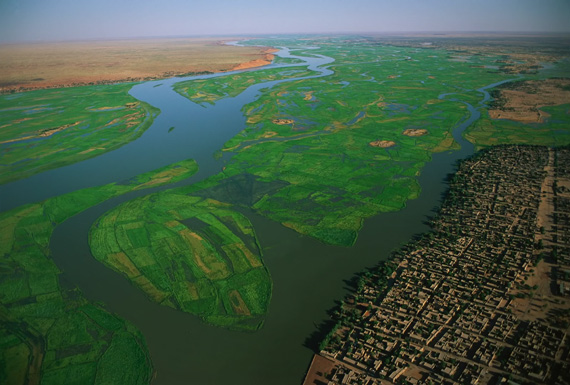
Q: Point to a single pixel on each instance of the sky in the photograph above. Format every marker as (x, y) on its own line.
(48, 20)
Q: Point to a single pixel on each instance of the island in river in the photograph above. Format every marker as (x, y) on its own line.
(289, 198)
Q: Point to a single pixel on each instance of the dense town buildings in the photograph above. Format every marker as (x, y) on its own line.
(482, 299)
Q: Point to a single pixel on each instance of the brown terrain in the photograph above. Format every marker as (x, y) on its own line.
(382, 143)
(522, 101)
(282, 122)
(415, 132)
(539, 301)
(320, 366)
(267, 59)
(65, 64)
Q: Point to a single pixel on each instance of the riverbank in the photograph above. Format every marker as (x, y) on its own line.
(267, 59)
(44, 319)
(448, 309)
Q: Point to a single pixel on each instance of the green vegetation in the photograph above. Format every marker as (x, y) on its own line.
(214, 89)
(55, 127)
(52, 332)
(190, 253)
(318, 155)
(314, 141)
(554, 131)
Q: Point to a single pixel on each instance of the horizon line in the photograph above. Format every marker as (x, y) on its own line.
(434, 33)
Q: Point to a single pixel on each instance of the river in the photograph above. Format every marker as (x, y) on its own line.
(308, 276)
(199, 131)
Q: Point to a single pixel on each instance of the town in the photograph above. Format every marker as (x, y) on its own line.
(483, 298)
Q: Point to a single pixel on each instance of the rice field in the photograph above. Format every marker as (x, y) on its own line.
(193, 254)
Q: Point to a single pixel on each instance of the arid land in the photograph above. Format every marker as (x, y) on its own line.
(65, 64)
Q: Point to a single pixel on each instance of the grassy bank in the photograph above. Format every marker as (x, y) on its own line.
(50, 331)
(47, 129)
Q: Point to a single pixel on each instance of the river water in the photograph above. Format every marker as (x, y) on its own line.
(199, 131)
(308, 276)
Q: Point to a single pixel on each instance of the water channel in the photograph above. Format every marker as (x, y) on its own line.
(308, 276)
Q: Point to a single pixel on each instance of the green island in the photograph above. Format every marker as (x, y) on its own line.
(214, 89)
(51, 128)
(190, 253)
(52, 332)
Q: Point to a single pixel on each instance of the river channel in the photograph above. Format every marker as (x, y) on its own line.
(308, 276)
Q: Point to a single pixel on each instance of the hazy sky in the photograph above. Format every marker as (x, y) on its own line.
(25, 20)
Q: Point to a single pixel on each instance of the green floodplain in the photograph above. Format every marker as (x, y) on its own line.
(51, 331)
(314, 136)
(317, 155)
(45, 129)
